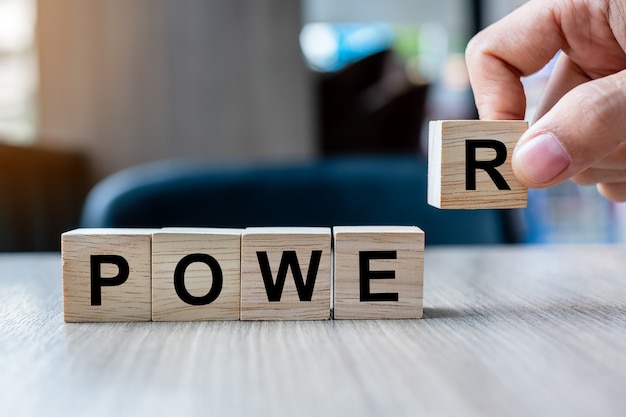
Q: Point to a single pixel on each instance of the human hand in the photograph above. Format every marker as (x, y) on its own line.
(580, 127)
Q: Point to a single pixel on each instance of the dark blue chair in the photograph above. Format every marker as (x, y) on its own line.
(337, 191)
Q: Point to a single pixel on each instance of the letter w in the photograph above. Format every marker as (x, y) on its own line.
(289, 259)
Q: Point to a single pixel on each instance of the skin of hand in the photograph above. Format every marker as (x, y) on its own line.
(579, 131)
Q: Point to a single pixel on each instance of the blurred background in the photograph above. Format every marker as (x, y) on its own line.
(89, 88)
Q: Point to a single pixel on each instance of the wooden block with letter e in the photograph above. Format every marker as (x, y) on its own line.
(196, 274)
(285, 273)
(106, 275)
(379, 272)
(469, 164)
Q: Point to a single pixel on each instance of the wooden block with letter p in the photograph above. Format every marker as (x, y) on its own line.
(196, 274)
(469, 164)
(379, 272)
(285, 273)
(106, 275)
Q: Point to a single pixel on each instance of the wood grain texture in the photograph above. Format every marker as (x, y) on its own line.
(402, 264)
(507, 331)
(447, 165)
(129, 301)
(170, 247)
(275, 242)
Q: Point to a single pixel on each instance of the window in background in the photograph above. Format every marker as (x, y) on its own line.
(18, 71)
(429, 38)
(424, 45)
(330, 47)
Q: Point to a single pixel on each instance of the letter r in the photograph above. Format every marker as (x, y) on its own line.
(471, 164)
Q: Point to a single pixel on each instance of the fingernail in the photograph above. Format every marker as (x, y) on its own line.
(542, 158)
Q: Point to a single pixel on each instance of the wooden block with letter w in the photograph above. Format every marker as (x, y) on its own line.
(469, 164)
(285, 273)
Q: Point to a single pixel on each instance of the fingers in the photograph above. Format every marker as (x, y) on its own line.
(565, 76)
(593, 176)
(613, 161)
(609, 174)
(613, 191)
(584, 127)
(580, 124)
(518, 45)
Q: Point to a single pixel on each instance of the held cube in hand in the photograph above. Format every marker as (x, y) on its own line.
(469, 164)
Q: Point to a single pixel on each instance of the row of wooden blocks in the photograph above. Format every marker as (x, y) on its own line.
(180, 274)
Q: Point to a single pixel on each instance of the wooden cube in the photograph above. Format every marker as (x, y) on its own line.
(196, 274)
(378, 272)
(106, 275)
(469, 164)
(285, 273)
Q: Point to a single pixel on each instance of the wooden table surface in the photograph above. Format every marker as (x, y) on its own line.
(508, 331)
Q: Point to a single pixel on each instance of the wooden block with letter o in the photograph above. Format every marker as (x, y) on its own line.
(285, 273)
(106, 275)
(379, 272)
(469, 164)
(196, 274)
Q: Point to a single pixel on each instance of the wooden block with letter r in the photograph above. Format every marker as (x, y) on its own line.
(285, 273)
(106, 275)
(378, 272)
(469, 164)
(196, 274)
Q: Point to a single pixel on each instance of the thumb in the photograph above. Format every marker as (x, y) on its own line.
(584, 126)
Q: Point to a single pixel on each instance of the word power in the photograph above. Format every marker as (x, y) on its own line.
(469, 164)
(191, 274)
